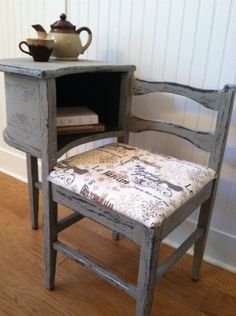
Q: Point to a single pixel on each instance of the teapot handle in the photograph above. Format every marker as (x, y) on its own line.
(84, 28)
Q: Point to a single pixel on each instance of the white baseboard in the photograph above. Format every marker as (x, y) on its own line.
(220, 248)
(13, 164)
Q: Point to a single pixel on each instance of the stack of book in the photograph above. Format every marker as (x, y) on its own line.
(78, 119)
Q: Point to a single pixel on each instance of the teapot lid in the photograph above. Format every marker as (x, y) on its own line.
(63, 25)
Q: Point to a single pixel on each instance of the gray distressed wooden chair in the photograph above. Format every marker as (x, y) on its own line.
(141, 195)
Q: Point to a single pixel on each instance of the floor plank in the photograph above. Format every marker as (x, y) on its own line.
(79, 292)
(218, 303)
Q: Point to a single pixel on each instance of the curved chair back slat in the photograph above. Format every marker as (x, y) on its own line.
(220, 101)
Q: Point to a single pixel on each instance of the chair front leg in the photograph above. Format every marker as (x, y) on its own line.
(50, 236)
(149, 254)
(32, 175)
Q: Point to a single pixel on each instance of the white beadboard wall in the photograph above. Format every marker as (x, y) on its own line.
(188, 41)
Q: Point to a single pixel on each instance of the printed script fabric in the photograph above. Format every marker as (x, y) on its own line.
(144, 186)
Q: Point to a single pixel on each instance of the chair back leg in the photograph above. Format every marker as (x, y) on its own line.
(115, 235)
(199, 246)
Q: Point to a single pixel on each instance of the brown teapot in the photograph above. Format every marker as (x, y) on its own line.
(67, 43)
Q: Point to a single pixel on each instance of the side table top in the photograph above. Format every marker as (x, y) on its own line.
(57, 68)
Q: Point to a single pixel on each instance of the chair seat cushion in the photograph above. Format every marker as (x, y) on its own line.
(141, 185)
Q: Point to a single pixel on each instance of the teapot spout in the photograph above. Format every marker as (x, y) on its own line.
(40, 30)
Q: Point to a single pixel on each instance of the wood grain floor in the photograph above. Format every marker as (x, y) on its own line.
(79, 292)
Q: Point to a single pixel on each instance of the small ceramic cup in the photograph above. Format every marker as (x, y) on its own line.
(39, 49)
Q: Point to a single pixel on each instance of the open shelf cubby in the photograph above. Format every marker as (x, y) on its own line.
(99, 91)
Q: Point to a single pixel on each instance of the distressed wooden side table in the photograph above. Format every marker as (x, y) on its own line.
(34, 90)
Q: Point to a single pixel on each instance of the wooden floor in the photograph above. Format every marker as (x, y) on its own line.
(79, 292)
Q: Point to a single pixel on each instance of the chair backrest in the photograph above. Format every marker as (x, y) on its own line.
(220, 101)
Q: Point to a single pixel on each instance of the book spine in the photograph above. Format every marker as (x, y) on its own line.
(81, 129)
(77, 120)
